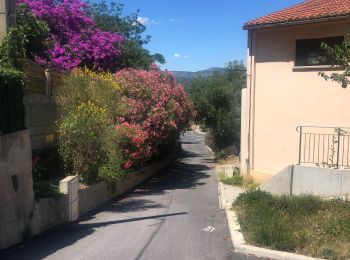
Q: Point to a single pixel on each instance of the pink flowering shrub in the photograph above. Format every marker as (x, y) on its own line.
(113, 124)
(156, 110)
(74, 39)
(135, 148)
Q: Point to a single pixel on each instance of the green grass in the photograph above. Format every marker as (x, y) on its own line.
(238, 180)
(235, 180)
(301, 224)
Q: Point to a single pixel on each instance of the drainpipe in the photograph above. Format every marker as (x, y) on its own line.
(250, 101)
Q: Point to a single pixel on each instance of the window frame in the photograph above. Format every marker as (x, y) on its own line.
(303, 65)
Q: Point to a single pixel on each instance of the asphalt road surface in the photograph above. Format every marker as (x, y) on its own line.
(174, 215)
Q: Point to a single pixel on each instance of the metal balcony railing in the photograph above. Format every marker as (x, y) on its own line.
(324, 146)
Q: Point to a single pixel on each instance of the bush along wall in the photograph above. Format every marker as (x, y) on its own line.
(11, 101)
(113, 124)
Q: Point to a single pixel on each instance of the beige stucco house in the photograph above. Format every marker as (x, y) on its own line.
(284, 90)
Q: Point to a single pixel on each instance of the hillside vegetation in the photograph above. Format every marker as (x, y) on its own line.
(217, 100)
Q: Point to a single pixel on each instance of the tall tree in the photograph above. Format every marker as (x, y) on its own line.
(217, 100)
(109, 17)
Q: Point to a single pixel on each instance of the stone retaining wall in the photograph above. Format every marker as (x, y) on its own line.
(96, 195)
(41, 115)
(48, 213)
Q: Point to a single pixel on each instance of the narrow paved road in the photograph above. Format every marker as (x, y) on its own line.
(175, 215)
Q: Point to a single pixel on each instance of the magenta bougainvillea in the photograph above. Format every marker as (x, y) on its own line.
(157, 107)
(74, 39)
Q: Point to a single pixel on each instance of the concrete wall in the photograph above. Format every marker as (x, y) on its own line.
(299, 180)
(7, 15)
(282, 96)
(48, 213)
(93, 196)
(20, 216)
(40, 106)
(96, 195)
(41, 115)
(16, 187)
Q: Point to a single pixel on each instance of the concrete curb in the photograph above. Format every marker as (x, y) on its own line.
(241, 247)
(239, 244)
(208, 148)
(198, 131)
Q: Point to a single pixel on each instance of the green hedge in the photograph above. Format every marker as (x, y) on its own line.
(11, 101)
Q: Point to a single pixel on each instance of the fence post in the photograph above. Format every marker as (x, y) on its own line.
(300, 142)
(69, 186)
(338, 147)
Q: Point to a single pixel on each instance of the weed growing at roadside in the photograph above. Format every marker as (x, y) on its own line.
(221, 155)
(237, 179)
(302, 224)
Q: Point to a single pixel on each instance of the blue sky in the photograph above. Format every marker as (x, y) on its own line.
(199, 34)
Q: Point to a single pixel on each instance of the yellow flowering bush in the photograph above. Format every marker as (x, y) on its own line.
(98, 76)
(88, 143)
(107, 130)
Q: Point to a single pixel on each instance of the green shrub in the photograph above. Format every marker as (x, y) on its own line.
(217, 100)
(235, 180)
(47, 164)
(25, 40)
(12, 51)
(47, 171)
(88, 142)
(11, 101)
(301, 224)
(252, 198)
(87, 139)
(44, 189)
(221, 155)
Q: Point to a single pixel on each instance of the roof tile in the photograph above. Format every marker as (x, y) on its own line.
(308, 10)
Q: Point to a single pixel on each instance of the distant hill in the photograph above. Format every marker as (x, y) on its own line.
(190, 74)
(184, 77)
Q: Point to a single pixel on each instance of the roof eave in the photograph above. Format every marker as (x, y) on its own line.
(301, 22)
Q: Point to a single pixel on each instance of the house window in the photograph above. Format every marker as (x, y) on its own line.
(308, 51)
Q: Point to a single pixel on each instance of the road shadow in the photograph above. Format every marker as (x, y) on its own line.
(130, 204)
(48, 243)
(192, 142)
(188, 154)
(181, 174)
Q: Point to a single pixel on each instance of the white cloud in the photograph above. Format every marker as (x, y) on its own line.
(146, 21)
(180, 56)
(175, 20)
